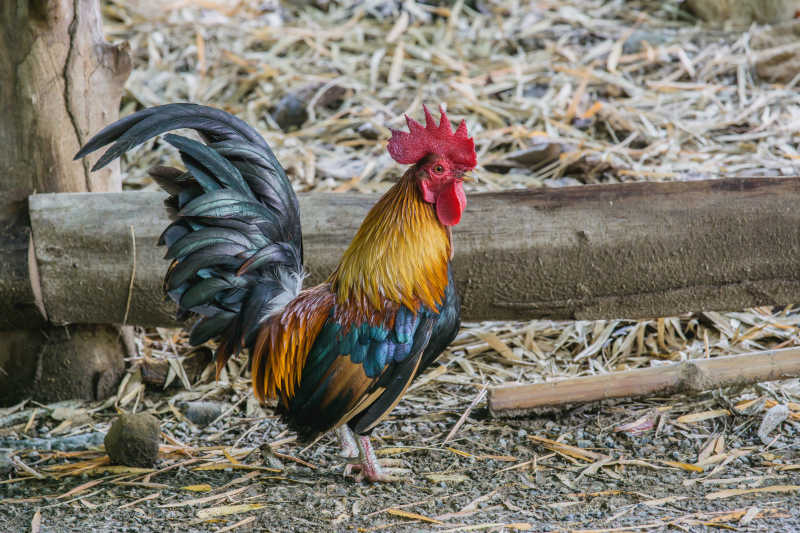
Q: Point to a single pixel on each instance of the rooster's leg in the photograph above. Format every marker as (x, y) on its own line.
(347, 441)
(369, 467)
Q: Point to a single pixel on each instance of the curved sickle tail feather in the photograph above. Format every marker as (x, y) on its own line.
(235, 240)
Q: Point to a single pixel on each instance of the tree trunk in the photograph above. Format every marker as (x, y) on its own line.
(61, 82)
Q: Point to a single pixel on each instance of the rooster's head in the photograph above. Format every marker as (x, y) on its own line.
(440, 157)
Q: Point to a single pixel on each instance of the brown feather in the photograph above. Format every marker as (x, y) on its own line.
(284, 341)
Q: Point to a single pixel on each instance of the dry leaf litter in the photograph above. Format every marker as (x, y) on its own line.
(556, 93)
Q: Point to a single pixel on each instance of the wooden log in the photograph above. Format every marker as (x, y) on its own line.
(631, 250)
(691, 377)
(20, 304)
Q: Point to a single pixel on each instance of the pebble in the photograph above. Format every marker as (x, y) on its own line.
(368, 131)
(5, 460)
(202, 413)
(633, 44)
(290, 112)
(536, 90)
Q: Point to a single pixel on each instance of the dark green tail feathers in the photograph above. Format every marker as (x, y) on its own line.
(235, 239)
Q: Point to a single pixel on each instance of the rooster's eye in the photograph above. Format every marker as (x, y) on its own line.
(438, 169)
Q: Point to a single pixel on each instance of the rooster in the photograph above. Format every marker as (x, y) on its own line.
(337, 356)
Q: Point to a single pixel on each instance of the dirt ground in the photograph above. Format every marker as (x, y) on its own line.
(493, 475)
(622, 91)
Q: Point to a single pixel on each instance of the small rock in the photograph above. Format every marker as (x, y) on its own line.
(562, 182)
(290, 112)
(333, 97)
(5, 460)
(633, 44)
(202, 413)
(537, 154)
(368, 131)
(582, 123)
(773, 418)
(535, 90)
(133, 440)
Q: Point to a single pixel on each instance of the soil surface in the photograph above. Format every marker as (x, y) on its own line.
(625, 91)
(493, 475)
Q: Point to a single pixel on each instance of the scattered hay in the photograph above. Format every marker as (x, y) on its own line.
(562, 92)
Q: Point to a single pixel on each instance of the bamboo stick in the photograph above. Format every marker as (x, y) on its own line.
(694, 376)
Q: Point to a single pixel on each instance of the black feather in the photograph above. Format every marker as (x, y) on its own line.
(214, 125)
(168, 178)
(233, 204)
(213, 163)
(196, 240)
(209, 327)
(188, 267)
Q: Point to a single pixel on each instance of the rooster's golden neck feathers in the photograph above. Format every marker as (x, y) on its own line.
(400, 253)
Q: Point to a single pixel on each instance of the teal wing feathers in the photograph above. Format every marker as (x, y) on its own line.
(350, 371)
(356, 375)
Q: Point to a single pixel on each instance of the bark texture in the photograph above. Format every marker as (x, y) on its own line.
(61, 363)
(633, 250)
(18, 285)
(61, 82)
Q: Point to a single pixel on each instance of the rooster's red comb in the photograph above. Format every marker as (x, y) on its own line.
(409, 148)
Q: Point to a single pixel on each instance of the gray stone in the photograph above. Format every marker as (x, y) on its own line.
(290, 112)
(202, 413)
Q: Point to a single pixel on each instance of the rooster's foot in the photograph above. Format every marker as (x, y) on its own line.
(347, 442)
(372, 469)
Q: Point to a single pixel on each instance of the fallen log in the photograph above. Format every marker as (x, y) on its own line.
(694, 376)
(628, 250)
